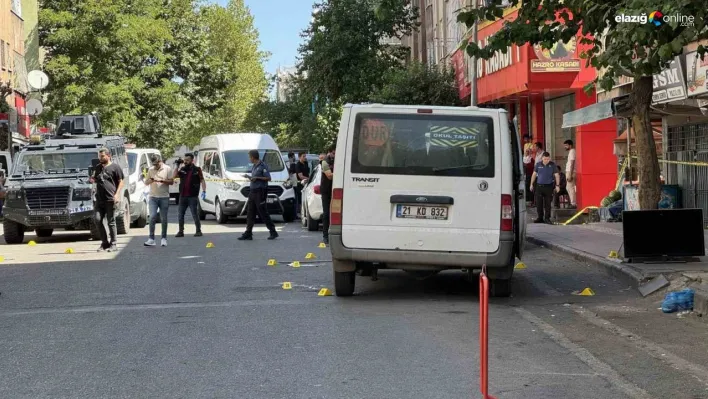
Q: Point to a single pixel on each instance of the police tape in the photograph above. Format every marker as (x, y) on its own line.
(212, 180)
(687, 163)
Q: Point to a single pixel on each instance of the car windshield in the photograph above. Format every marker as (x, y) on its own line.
(237, 161)
(48, 161)
(424, 144)
(132, 162)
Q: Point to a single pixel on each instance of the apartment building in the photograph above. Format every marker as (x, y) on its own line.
(283, 82)
(13, 70)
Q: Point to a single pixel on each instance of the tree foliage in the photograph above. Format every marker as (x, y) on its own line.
(418, 84)
(345, 53)
(160, 72)
(639, 50)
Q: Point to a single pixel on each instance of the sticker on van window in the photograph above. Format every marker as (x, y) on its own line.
(444, 136)
(375, 133)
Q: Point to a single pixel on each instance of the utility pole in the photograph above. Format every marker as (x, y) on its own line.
(473, 78)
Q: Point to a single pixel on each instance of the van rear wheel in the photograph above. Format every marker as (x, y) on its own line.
(344, 283)
(500, 288)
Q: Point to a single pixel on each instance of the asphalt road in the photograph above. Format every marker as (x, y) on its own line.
(188, 321)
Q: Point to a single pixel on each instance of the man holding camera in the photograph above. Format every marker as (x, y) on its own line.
(190, 179)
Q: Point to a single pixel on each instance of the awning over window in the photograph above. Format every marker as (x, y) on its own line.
(592, 113)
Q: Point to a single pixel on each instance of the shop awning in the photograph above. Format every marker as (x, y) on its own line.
(613, 108)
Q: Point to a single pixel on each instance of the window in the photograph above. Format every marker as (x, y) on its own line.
(132, 162)
(237, 161)
(3, 165)
(215, 163)
(424, 145)
(207, 161)
(144, 164)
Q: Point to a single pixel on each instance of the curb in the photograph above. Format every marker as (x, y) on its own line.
(615, 269)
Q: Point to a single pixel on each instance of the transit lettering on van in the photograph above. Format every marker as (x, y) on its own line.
(365, 179)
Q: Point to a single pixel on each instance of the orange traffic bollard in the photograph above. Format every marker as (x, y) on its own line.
(484, 333)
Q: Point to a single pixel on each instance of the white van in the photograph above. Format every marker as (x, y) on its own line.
(424, 189)
(224, 160)
(138, 164)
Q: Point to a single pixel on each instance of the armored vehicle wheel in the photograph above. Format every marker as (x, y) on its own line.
(14, 232)
(123, 221)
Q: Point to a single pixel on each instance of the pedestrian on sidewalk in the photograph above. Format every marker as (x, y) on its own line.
(302, 172)
(191, 179)
(570, 172)
(159, 179)
(538, 156)
(108, 178)
(326, 191)
(256, 204)
(544, 181)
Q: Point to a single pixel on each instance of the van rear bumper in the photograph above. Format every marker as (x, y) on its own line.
(502, 258)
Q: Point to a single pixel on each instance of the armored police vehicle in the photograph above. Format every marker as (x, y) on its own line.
(49, 188)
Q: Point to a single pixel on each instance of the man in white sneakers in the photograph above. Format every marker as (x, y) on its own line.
(159, 179)
(570, 173)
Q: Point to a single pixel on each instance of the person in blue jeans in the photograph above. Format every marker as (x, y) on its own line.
(159, 179)
(190, 179)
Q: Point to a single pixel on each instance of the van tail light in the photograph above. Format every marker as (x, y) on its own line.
(335, 207)
(317, 189)
(507, 213)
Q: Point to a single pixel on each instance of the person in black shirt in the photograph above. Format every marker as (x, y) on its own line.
(302, 173)
(108, 178)
(190, 179)
(326, 190)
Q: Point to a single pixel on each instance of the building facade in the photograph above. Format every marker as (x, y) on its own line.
(283, 83)
(13, 68)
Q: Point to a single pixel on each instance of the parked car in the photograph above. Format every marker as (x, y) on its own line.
(424, 189)
(311, 209)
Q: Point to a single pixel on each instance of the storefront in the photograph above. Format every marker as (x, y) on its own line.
(537, 87)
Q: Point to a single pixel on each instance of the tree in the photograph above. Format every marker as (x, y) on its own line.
(345, 54)
(160, 72)
(639, 50)
(418, 84)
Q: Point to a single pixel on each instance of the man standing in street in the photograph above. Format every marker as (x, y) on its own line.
(546, 175)
(260, 176)
(570, 173)
(326, 190)
(159, 179)
(302, 172)
(108, 178)
(191, 179)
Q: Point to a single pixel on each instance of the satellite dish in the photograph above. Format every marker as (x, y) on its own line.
(34, 107)
(37, 80)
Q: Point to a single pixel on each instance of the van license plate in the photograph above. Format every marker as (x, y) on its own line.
(421, 212)
(270, 200)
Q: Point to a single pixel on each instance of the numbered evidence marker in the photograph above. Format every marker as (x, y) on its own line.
(287, 285)
(295, 264)
(210, 245)
(272, 262)
(310, 256)
(323, 245)
(325, 292)
(69, 251)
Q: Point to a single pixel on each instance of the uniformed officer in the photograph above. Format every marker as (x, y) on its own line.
(546, 174)
(260, 176)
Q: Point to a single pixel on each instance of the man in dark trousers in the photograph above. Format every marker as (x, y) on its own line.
(190, 180)
(260, 176)
(326, 190)
(108, 178)
(546, 175)
(302, 172)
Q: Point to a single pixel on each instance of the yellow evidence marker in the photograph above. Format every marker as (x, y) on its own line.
(520, 266)
(69, 251)
(585, 292)
(272, 262)
(287, 285)
(324, 292)
(323, 245)
(31, 243)
(310, 256)
(210, 245)
(296, 264)
(613, 255)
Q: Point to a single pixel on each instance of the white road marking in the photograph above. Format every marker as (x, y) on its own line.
(598, 366)
(698, 372)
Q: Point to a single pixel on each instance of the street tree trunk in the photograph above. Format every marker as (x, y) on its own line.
(647, 162)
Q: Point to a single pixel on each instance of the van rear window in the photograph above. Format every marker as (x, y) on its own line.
(423, 144)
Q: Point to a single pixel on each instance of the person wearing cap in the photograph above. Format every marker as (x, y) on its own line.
(546, 175)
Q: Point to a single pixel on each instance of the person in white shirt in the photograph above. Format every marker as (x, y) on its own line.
(159, 179)
(570, 169)
(539, 153)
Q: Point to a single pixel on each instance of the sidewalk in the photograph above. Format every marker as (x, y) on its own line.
(593, 242)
